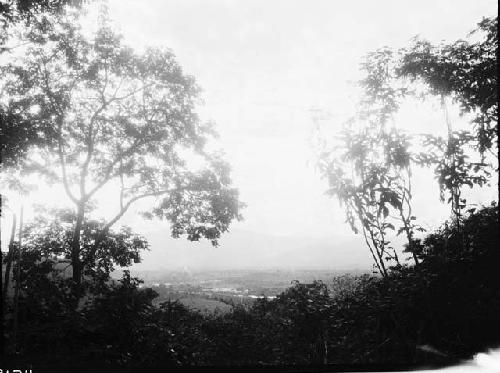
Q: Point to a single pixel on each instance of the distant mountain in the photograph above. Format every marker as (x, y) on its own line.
(242, 249)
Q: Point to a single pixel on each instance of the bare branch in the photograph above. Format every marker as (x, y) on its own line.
(133, 92)
(130, 202)
(122, 188)
(60, 148)
(117, 217)
(63, 168)
(109, 172)
(90, 150)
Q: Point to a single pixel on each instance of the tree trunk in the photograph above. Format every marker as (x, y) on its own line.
(75, 250)
(381, 259)
(325, 345)
(18, 284)
(411, 242)
(10, 257)
(415, 259)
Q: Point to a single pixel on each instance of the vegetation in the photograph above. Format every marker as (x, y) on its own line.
(34, 18)
(370, 170)
(441, 311)
(106, 115)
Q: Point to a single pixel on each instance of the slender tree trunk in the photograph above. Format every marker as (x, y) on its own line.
(455, 191)
(18, 283)
(415, 258)
(382, 235)
(75, 250)
(409, 236)
(382, 264)
(325, 345)
(411, 244)
(10, 257)
(372, 252)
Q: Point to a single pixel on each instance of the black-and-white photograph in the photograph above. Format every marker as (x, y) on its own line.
(291, 185)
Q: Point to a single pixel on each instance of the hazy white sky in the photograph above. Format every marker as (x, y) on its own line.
(265, 66)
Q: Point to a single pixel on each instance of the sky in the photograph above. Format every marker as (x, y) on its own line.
(268, 69)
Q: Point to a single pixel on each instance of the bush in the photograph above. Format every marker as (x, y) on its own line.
(441, 311)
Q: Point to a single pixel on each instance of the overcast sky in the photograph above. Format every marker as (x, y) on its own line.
(266, 68)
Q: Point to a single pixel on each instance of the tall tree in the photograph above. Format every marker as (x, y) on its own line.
(466, 72)
(370, 170)
(108, 116)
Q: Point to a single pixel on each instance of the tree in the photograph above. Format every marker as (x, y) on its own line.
(466, 71)
(49, 240)
(370, 169)
(107, 115)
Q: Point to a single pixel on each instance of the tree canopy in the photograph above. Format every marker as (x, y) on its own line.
(466, 71)
(32, 19)
(14, 12)
(107, 115)
(370, 169)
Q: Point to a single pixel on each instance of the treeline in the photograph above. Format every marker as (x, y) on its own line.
(441, 311)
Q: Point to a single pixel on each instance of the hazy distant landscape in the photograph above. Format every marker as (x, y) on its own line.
(212, 290)
(244, 249)
(251, 278)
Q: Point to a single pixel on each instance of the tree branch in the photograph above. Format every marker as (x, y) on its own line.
(108, 175)
(63, 167)
(133, 92)
(60, 149)
(122, 188)
(123, 210)
(130, 202)
(366, 239)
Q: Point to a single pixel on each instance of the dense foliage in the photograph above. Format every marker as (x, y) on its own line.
(96, 114)
(441, 311)
(35, 18)
(371, 165)
(466, 71)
